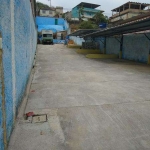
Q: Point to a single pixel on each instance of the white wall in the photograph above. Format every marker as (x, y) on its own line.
(47, 13)
(77, 40)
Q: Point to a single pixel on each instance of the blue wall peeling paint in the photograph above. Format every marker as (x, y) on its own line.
(112, 45)
(136, 47)
(25, 39)
(5, 28)
(100, 40)
(1, 120)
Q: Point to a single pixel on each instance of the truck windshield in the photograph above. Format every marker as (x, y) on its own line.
(47, 35)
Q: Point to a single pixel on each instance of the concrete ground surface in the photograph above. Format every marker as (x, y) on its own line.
(90, 104)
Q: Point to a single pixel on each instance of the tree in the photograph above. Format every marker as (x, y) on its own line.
(87, 25)
(100, 18)
(63, 16)
(41, 5)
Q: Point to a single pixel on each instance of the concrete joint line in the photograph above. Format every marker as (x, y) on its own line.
(13, 58)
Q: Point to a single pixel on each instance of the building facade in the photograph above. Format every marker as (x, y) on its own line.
(59, 10)
(47, 12)
(67, 15)
(85, 11)
(128, 10)
(51, 12)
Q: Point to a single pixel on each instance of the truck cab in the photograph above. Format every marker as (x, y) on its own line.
(47, 36)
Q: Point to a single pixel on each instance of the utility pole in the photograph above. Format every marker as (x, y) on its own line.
(50, 2)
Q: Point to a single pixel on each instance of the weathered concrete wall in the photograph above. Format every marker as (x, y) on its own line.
(136, 47)
(19, 37)
(112, 45)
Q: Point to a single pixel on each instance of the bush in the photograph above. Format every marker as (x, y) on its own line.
(87, 25)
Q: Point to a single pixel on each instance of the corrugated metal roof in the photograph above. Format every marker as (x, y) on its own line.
(82, 32)
(130, 27)
(88, 5)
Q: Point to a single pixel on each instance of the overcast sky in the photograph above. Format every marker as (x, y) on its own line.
(106, 5)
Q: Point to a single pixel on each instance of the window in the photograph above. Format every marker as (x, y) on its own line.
(47, 35)
(43, 11)
(50, 12)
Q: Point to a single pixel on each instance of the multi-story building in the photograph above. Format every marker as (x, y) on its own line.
(85, 11)
(67, 15)
(128, 10)
(47, 12)
(51, 12)
(59, 9)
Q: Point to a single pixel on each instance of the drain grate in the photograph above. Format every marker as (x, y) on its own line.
(32, 118)
(39, 119)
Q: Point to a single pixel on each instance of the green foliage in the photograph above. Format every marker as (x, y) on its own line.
(63, 15)
(40, 5)
(87, 25)
(81, 12)
(100, 18)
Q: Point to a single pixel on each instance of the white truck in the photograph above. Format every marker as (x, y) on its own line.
(47, 36)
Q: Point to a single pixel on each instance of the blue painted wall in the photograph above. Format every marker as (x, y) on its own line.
(5, 29)
(1, 121)
(136, 47)
(112, 45)
(100, 40)
(49, 23)
(75, 12)
(23, 40)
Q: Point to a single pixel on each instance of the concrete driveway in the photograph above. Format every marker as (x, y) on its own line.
(90, 104)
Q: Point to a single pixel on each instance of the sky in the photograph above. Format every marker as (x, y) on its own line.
(106, 5)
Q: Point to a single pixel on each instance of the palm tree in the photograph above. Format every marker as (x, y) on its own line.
(100, 18)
